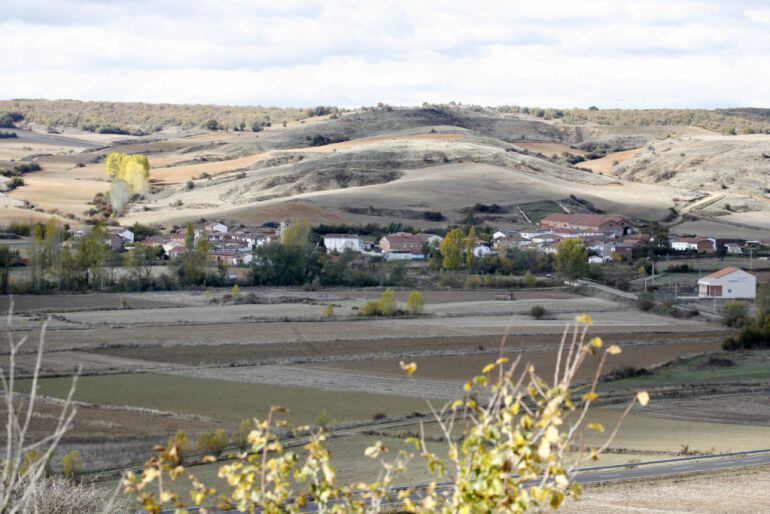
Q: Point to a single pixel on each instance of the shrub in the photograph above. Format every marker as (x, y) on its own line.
(14, 183)
(756, 335)
(415, 303)
(235, 292)
(190, 185)
(72, 464)
(212, 442)
(537, 312)
(371, 308)
(646, 301)
(181, 441)
(329, 312)
(735, 314)
(530, 280)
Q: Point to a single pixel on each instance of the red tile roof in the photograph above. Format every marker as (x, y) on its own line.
(723, 272)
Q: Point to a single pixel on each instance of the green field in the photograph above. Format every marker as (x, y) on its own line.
(226, 400)
(539, 210)
(749, 365)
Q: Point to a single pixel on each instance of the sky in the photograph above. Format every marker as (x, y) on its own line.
(349, 53)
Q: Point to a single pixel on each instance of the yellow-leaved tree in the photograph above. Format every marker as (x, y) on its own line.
(129, 175)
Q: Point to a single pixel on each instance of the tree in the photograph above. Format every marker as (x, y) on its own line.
(212, 124)
(6, 259)
(297, 234)
(329, 312)
(571, 260)
(451, 249)
(92, 254)
(129, 175)
(415, 303)
(276, 264)
(470, 243)
(193, 261)
(388, 305)
(140, 261)
(762, 302)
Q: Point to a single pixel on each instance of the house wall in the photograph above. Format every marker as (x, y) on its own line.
(735, 285)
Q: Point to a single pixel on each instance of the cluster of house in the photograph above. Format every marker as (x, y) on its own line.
(398, 246)
(606, 237)
(231, 248)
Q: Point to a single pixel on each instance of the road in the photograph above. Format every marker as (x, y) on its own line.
(624, 472)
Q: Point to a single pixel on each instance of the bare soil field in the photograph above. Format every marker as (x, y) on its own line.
(314, 311)
(335, 379)
(549, 149)
(466, 366)
(719, 230)
(759, 219)
(745, 408)
(643, 432)
(739, 491)
(72, 302)
(71, 336)
(226, 400)
(46, 192)
(604, 165)
(358, 349)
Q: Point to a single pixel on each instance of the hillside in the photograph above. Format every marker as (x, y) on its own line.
(422, 166)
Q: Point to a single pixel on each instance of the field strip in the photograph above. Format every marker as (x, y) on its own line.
(333, 380)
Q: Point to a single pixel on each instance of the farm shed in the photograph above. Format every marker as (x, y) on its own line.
(728, 282)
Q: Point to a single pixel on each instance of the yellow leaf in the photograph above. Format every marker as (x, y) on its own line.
(643, 397)
(585, 319)
(409, 368)
(488, 368)
(374, 451)
(596, 342)
(552, 434)
(544, 450)
(501, 360)
(596, 426)
(589, 397)
(614, 350)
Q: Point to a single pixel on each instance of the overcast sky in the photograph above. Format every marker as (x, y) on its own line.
(565, 53)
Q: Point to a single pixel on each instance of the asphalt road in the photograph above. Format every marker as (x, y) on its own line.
(638, 471)
(671, 467)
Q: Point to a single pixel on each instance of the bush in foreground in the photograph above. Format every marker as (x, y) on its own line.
(506, 444)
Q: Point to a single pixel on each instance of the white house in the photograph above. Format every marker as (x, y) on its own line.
(694, 244)
(733, 248)
(216, 227)
(728, 282)
(480, 251)
(341, 242)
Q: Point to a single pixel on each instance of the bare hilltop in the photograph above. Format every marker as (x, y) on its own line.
(420, 165)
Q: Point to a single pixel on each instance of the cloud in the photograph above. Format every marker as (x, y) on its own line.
(301, 52)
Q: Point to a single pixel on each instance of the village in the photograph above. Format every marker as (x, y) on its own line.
(606, 239)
